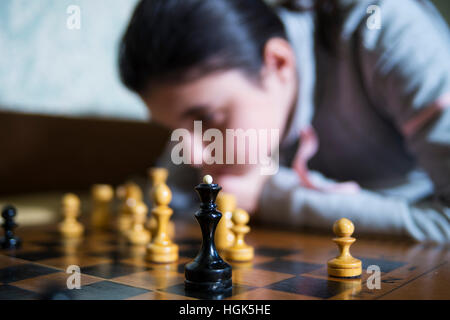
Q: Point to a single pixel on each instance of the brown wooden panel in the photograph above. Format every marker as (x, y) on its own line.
(432, 285)
(41, 153)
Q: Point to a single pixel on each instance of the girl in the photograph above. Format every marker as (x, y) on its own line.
(358, 90)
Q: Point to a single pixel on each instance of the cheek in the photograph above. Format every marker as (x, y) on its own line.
(258, 112)
(254, 113)
(164, 117)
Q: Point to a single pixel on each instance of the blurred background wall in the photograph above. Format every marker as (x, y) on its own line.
(48, 68)
(66, 121)
(45, 67)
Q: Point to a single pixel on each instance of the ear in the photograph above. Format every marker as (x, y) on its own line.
(279, 60)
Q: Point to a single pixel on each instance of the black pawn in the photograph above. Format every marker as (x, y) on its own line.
(54, 291)
(208, 273)
(9, 241)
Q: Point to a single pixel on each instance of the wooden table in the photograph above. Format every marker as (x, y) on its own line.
(287, 265)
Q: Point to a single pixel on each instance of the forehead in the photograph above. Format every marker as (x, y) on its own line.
(201, 90)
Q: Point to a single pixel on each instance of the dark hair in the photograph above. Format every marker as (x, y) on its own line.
(177, 40)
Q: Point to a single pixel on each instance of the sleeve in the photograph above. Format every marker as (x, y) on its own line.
(284, 202)
(406, 67)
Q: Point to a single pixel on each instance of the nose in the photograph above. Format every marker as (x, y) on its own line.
(196, 150)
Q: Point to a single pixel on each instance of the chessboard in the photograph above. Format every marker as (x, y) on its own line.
(287, 265)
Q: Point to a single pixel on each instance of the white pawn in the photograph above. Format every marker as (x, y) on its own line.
(130, 194)
(138, 235)
(344, 265)
(240, 251)
(226, 204)
(158, 176)
(162, 249)
(70, 227)
(102, 194)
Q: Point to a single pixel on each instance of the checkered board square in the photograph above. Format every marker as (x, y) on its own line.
(113, 270)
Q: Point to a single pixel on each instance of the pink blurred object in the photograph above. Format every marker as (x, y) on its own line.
(309, 145)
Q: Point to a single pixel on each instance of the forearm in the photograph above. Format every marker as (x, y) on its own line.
(284, 201)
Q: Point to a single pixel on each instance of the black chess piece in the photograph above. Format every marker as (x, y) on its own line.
(208, 273)
(54, 291)
(9, 241)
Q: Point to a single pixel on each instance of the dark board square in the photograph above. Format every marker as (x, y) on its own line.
(310, 287)
(190, 242)
(23, 271)
(38, 255)
(288, 266)
(391, 280)
(181, 266)
(114, 255)
(8, 292)
(50, 243)
(275, 252)
(189, 253)
(180, 290)
(113, 270)
(105, 290)
(385, 265)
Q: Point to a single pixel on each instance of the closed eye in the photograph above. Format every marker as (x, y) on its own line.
(194, 112)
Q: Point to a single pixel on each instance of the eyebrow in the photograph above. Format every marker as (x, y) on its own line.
(193, 111)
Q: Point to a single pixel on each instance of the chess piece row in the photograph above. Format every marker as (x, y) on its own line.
(9, 240)
(132, 220)
(131, 209)
(155, 233)
(232, 228)
(131, 197)
(229, 238)
(132, 204)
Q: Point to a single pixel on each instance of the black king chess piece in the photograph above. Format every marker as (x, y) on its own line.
(9, 241)
(208, 272)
